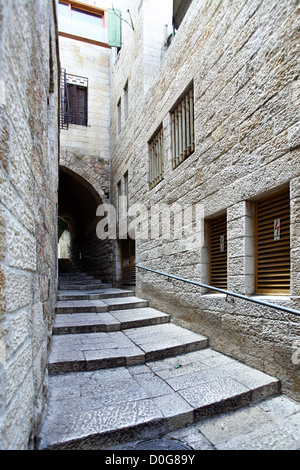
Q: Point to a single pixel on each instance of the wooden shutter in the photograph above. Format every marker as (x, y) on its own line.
(82, 105)
(273, 244)
(128, 262)
(77, 97)
(218, 252)
(114, 28)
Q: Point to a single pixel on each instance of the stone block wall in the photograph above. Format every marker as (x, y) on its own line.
(28, 191)
(243, 61)
(85, 150)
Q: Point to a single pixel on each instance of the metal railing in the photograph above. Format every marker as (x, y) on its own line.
(227, 293)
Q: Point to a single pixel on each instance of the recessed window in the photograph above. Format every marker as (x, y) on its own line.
(74, 100)
(273, 244)
(119, 116)
(156, 158)
(182, 123)
(180, 7)
(218, 252)
(78, 100)
(126, 100)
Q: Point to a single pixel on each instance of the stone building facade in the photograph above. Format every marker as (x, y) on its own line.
(29, 153)
(85, 144)
(196, 108)
(240, 62)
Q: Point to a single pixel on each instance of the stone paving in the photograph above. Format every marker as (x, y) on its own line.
(128, 374)
(273, 424)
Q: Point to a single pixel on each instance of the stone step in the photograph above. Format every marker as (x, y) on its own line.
(75, 276)
(93, 294)
(117, 320)
(94, 410)
(79, 282)
(92, 351)
(98, 306)
(85, 286)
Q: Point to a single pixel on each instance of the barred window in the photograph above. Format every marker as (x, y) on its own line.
(183, 137)
(156, 158)
(74, 100)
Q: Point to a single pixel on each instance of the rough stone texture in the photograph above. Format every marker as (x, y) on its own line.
(28, 182)
(85, 151)
(93, 409)
(243, 58)
(270, 425)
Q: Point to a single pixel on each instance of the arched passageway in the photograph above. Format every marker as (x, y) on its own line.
(77, 205)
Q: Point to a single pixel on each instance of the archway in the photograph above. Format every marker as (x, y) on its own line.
(77, 205)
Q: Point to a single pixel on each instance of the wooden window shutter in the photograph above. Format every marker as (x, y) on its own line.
(82, 106)
(273, 244)
(77, 97)
(72, 97)
(218, 252)
(128, 270)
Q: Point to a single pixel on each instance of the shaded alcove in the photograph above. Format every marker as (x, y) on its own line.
(77, 206)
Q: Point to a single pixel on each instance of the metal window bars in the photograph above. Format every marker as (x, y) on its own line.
(182, 125)
(64, 103)
(156, 158)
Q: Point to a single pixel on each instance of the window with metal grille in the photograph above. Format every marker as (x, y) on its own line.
(64, 106)
(156, 158)
(73, 100)
(78, 100)
(273, 244)
(182, 123)
(218, 252)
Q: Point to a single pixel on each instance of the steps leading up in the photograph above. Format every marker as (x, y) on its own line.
(120, 370)
(92, 351)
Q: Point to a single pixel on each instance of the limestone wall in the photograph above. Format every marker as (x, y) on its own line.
(243, 61)
(28, 192)
(86, 149)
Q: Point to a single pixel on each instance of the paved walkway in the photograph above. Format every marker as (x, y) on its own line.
(122, 373)
(273, 424)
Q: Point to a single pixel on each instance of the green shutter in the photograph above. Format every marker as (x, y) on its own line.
(114, 28)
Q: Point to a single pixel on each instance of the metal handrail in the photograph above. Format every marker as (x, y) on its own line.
(233, 294)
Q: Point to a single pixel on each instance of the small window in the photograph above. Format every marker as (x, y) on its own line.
(156, 158)
(180, 7)
(77, 105)
(182, 123)
(118, 205)
(273, 244)
(218, 252)
(126, 101)
(119, 117)
(77, 91)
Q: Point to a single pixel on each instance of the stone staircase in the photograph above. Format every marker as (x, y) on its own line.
(120, 370)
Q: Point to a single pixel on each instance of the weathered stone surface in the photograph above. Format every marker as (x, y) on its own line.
(28, 182)
(246, 147)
